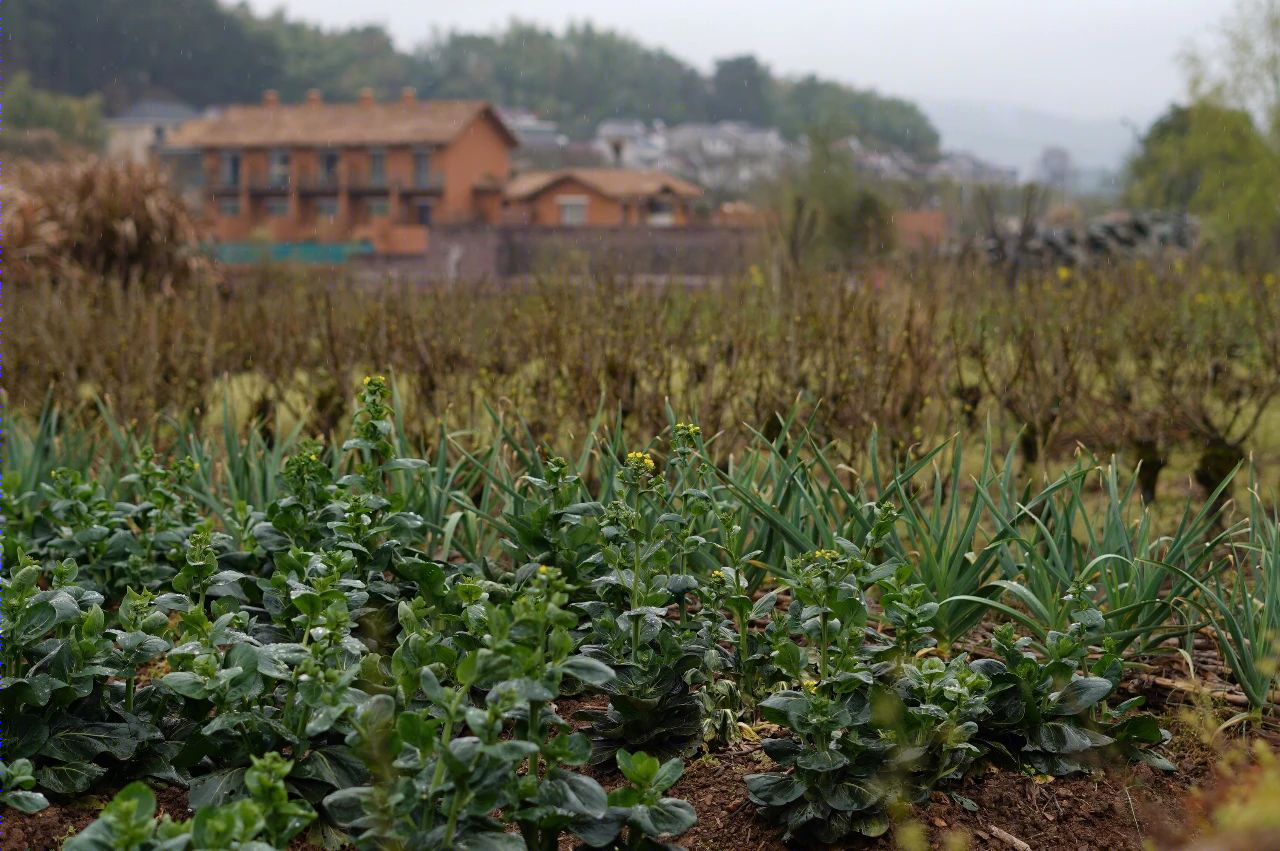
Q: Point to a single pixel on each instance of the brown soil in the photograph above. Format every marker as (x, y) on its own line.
(49, 828)
(1117, 810)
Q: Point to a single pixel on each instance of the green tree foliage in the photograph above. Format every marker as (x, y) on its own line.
(577, 79)
(844, 111)
(742, 90)
(338, 62)
(196, 49)
(824, 212)
(76, 120)
(1219, 157)
(206, 53)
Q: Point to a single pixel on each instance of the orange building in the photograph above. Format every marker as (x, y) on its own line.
(917, 231)
(599, 197)
(383, 172)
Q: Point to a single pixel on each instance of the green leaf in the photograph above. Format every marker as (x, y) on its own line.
(24, 801)
(1058, 738)
(781, 751)
(573, 793)
(24, 735)
(186, 684)
(764, 607)
(1079, 695)
(568, 749)
(590, 671)
(33, 623)
(773, 790)
(72, 743)
(671, 817)
(69, 779)
(1154, 760)
(405, 464)
(822, 760)
(1139, 728)
(639, 768)
(491, 841)
(346, 806)
(786, 708)
(335, 765)
(667, 775)
(216, 788)
(850, 796)
(599, 832)
(790, 659)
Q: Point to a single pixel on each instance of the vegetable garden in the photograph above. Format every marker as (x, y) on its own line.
(387, 644)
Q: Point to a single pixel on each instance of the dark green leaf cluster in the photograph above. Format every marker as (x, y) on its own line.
(418, 693)
(883, 722)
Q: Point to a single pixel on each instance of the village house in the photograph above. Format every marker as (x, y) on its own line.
(727, 156)
(599, 197)
(139, 131)
(382, 172)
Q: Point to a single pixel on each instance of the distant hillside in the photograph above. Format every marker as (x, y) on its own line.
(206, 53)
(1016, 136)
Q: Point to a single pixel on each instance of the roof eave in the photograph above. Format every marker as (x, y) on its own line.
(487, 110)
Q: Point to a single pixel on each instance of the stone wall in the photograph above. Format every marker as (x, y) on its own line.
(467, 254)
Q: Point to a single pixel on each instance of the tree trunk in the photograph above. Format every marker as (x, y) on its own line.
(1150, 462)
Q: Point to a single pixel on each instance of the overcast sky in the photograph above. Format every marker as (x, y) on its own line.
(1108, 59)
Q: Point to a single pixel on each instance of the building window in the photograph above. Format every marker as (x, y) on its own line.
(230, 168)
(377, 167)
(661, 212)
(378, 208)
(573, 210)
(277, 208)
(329, 167)
(229, 208)
(278, 172)
(421, 169)
(423, 214)
(326, 209)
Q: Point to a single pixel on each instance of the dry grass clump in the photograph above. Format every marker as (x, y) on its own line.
(95, 219)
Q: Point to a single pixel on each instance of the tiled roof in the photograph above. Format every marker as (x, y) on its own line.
(151, 111)
(613, 182)
(430, 122)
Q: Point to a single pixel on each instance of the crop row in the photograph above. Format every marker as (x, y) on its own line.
(398, 634)
(1176, 365)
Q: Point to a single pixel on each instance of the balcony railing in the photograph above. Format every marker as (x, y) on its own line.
(330, 183)
(432, 182)
(269, 183)
(365, 182)
(318, 183)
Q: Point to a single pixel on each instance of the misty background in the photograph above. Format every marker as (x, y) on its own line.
(1000, 78)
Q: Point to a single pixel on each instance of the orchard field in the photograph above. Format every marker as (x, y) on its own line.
(914, 556)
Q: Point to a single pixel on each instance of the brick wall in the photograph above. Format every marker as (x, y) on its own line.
(467, 254)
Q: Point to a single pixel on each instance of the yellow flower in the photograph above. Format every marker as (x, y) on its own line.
(367, 379)
(315, 457)
(1064, 274)
(640, 459)
(717, 574)
(543, 569)
(809, 685)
